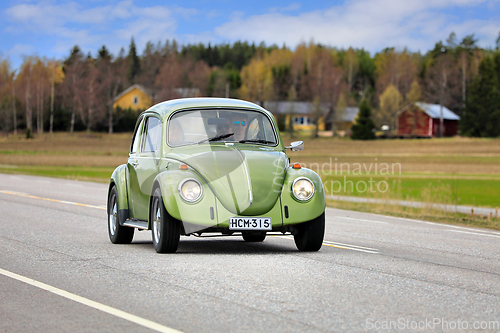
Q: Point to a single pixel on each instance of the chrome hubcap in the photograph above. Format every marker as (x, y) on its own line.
(156, 222)
(113, 218)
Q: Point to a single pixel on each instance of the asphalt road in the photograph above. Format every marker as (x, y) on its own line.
(59, 272)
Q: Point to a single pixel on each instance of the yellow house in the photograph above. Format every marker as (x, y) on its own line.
(135, 97)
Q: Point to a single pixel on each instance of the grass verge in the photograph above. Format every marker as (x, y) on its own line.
(100, 175)
(420, 214)
(444, 189)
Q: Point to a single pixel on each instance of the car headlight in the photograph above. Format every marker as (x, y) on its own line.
(190, 189)
(303, 189)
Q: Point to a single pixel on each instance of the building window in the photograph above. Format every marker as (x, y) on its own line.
(136, 100)
(296, 120)
(303, 120)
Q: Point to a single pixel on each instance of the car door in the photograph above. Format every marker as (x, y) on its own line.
(143, 167)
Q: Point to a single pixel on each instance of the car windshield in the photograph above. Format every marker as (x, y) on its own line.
(206, 126)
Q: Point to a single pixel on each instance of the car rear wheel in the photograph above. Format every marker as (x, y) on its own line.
(253, 237)
(118, 234)
(309, 235)
(164, 228)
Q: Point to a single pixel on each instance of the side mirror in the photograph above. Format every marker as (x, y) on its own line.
(296, 146)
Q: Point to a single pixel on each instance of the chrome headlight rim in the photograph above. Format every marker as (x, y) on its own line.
(312, 192)
(184, 181)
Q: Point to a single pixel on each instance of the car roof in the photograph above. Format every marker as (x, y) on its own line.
(164, 109)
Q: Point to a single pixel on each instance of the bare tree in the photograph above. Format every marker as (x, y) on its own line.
(24, 81)
(56, 76)
(89, 113)
(14, 110)
(110, 80)
(41, 83)
(351, 66)
(169, 78)
(5, 81)
(72, 83)
(443, 83)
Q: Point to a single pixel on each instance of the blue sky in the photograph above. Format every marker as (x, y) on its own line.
(50, 28)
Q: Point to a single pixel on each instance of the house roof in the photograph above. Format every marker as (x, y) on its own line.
(349, 114)
(285, 107)
(434, 111)
(132, 87)
(187, 92)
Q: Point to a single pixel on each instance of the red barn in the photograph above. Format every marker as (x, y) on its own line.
(422, 120)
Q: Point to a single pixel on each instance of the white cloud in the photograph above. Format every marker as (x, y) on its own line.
(369, 24)
(113, 25)
(20, 50)
(291, 8)
(372, 25)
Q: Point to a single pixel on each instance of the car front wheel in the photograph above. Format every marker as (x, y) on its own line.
(309, 235)
(118, 234)
(165, 229)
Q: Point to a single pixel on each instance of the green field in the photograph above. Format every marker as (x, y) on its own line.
(97, 174)
(460, 190)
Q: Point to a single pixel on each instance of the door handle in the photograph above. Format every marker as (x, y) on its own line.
(134, 163)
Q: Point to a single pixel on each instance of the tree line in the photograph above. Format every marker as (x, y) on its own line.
(77, 93)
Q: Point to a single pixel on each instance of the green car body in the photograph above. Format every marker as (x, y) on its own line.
(249, 180)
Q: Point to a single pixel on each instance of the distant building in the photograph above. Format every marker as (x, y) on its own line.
(135, 97)
(301, 114)
(187, 92)
(423, 120)
(345, 118)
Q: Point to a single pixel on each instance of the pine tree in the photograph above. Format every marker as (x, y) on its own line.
(364, 126)
(133, 63)
(482, 108)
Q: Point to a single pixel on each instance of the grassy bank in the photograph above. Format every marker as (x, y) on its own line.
(424, 214)
(480, 190)
(96, 174)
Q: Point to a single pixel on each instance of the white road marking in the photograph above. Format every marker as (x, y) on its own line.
(85, 301)
(424, 222)
(53, 200)
(350, 245)
(476, 230)
(341, 246)
(474, 233)
(356, 219)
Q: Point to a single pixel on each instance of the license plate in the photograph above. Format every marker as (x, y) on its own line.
(250, 223)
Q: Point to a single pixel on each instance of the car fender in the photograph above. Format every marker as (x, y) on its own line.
(201, 212)
(296, 211)
(119, 179)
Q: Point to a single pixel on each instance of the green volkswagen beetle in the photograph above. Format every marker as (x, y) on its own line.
(213, 165)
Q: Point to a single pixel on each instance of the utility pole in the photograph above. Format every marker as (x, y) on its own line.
(14, 112)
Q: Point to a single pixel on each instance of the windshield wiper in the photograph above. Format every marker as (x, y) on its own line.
(255, 141)
(217, 138)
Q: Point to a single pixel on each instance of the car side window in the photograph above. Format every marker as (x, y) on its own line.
(151, 141)
(135, 139)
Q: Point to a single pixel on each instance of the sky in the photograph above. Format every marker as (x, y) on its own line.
(51, 28)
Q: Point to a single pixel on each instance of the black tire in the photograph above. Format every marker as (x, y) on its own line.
(309, 235)
(253, 237)
(118, 234)
(165, 230)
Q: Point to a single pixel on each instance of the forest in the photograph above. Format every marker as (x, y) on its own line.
(77, 93)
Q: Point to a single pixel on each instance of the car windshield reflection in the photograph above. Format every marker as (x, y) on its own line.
(207, 126)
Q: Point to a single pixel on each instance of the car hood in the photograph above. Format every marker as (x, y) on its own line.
(246, 179)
